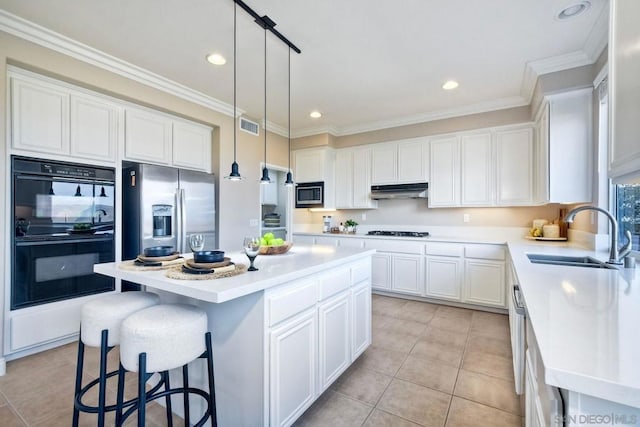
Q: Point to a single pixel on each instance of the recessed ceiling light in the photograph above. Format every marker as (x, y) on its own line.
(216, 59)
(315, 114)
(450, 84)
(573, 10)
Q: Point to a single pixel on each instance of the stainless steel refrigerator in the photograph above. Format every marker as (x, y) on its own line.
(163, 206)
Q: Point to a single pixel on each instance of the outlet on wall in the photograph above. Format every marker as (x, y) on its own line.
(466, 218)
(253, 223)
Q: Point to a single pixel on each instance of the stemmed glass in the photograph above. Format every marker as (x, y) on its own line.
(251, 247)
(196, 242)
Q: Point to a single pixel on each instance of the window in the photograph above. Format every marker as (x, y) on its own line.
(627, 208)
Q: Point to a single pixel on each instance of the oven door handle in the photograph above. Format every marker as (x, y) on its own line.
(518, 306)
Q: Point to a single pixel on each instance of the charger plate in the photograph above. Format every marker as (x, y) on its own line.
(133, 266)
(177, 273)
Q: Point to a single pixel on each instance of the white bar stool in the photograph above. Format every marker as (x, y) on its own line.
(100, 323)
(161, 338)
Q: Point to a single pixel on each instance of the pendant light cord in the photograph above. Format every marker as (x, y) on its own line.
(289, 109)
(235, 7)
(265, 96)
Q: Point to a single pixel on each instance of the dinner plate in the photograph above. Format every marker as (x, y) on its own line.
(208, 265)
(190, 270)
(171, 257)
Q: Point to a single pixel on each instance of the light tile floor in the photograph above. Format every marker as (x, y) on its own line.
(429, 365)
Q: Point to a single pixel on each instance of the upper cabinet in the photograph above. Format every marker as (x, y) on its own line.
(405, 161)
(624, 108)
(487, 167)
(353, 178)
(564, 148)
(94, 127)
(191, 145)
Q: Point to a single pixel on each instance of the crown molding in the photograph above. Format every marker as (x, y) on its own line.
(276, 128)
(316, 130)
(598, 37)
(42, 36)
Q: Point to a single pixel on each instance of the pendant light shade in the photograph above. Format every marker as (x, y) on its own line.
(289, 182)
(235, 170)
(265, 172)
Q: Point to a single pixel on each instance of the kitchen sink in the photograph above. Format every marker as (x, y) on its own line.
(571, 261)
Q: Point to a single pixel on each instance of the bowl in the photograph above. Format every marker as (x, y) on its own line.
(208, 256)
(158, 251)
(275, 250)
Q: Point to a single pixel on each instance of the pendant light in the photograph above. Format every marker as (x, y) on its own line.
(289, 182)
(265, 172)
(235, 172)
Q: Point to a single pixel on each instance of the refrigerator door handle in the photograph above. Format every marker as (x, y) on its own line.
(183, 222)
(178, 222)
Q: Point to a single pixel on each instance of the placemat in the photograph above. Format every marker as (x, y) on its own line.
(176, 273)
(130, 265)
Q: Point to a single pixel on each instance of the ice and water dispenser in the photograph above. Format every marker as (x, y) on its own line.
(162, 220)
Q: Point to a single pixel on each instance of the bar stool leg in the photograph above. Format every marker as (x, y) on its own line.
(142, 395)
(167, 387)
(185, 396)
(120, 398)
(79, 369)
(212, 390)
(102, 387)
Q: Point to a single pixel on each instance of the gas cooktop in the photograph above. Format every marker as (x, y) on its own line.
(398, 233)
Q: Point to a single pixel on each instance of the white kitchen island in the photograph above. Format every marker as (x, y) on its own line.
(281, 335)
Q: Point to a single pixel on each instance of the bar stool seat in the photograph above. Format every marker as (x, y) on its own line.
(164, 337)
(100, 322)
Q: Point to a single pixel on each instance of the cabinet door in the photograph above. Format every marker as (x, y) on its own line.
(407, 274)
(444, 186)
(191, 146)
(94, 127)
(411, 162)
(360, 319)
(334, 333)
(444, 277)
(344, 179)
(327, 240)
(384, 164)
(309, 165)
(303, 240)
(485, 282)
(381, 271)
(292, 368)
(147, 136)
(269, 193)
(477, 166)
(39, 117)
(542, 156)
(361, 179)
(514, 167)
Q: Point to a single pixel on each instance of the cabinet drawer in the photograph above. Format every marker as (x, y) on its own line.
(294, 299)
(61, 321)
(394, 246)
(445, 249)
(361, 272)
(484, 252)
(333, 283)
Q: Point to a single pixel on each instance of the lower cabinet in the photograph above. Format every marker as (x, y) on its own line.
(485, 282)
(444, 277)
(381, 271)
(317, 327)
(292, 371)
(408, 274)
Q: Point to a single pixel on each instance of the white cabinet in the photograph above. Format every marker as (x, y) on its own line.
(381, 271)
(477, 171)
(334, 338)
(360, 318)
(269, 193)
(514, 167)
(485, 282)
(293, 368)
(317, 165)
(94, 127)
(405, 161)
(327, 240)
(407, 274)
(564, 148)
(444, 278)
(624, 91)
(444, 186)
(303, 239)
(191, 146)
(39, 116)
(147, 136)
(353, 178)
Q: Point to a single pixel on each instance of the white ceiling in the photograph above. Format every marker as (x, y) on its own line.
(365, 64)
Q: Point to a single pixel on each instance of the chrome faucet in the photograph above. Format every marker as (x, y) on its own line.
(615, 254)
(100, 213)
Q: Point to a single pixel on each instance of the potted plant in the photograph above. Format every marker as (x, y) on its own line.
(350, 225)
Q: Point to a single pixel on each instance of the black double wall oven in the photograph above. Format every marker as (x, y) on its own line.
(63, 214)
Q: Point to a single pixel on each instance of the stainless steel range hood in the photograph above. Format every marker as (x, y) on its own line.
(400, 191)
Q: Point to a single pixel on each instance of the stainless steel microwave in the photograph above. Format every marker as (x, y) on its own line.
(310, 195)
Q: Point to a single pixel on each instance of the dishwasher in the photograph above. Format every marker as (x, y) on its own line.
(517, 315)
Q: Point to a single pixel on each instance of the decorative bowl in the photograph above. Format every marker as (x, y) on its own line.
(158, 251)
(275, 250)
(203, 257)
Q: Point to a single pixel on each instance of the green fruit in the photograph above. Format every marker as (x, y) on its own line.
(277, 242)
(268, 236)
(263, 241)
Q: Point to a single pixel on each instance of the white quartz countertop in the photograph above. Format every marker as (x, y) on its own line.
(586, 322)
(274, 270)
(487, 239)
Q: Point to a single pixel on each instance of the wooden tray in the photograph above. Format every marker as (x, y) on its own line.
(275, 250)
